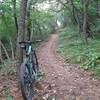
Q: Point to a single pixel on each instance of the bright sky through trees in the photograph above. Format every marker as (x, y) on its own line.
(43, 6)
(46, 5)
(58, 23)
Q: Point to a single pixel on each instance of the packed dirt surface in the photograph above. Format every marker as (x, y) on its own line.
(65, 81)
(61, 81)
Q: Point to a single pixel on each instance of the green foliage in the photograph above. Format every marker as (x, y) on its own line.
(96, 72)
(96, 26)
(93, 60)
(6, 21)
(41, 24)
(9, 98)
(7, 68)
(73, 50)
(6, 92)
(74, 15)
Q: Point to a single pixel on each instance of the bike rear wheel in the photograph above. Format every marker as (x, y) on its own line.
(26, 83)
(35, 62)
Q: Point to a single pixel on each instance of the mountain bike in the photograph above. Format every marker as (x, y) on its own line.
(28, 70)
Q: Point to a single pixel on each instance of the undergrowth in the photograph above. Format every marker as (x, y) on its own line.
(7, 68)
(74, 51)
(6, 93)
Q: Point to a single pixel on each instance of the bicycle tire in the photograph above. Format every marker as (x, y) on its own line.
(35, 62)
(22, 72)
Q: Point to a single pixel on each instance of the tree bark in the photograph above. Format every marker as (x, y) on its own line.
(29, 18)
(21, 31)
(97, 3)
(15, 15)
(85, 17)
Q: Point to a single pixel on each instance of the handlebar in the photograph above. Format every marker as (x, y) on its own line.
(23, 43)
(29, 42)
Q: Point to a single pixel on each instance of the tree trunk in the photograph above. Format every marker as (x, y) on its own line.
(97, 7)
(21, 31)
(15, 15)
(73, 12)
(85, 7)
(29, 18)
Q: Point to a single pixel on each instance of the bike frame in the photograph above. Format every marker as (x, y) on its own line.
(28, 60)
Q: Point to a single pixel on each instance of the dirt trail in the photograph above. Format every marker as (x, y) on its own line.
(65, 81)
(61, 81)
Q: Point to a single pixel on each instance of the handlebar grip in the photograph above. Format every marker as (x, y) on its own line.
(23, 42)
(38, 40)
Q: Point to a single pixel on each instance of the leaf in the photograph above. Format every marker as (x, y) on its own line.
(9, 98)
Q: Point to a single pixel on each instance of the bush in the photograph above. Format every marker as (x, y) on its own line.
(74, 51)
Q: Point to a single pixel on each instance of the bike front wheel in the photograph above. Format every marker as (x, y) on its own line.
(25, 82)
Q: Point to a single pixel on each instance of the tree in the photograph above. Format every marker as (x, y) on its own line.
(15, 14)
(21, 31)
(85, 19)
(29, 18)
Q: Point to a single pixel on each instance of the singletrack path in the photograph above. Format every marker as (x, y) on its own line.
(64, 81)
(61, 81)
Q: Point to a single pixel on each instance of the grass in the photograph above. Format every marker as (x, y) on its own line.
(6, 93)
(7, 68)
(74, 51)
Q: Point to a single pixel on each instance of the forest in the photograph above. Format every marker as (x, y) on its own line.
(71, 29)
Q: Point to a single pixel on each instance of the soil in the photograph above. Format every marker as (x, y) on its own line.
(61, 81)
(66, 81)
